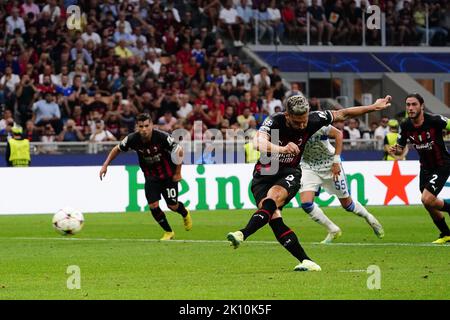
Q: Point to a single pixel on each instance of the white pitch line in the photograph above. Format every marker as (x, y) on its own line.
(350, 244)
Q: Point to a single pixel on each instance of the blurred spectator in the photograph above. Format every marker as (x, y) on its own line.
(335, 17)
(31, 133)
(314, 104)
(47, 111)
(167, 122)
(100, 134)
(48, 138)
(437, 34)
(319, 21)
(264, 23)
(405, 24)
(391, 140)
(419, 15)
(14, 21)
(245, 118)
(289, 21)
(354, 132)
(245, 13)
(270, 103)
(275, 75)
(354, 24)
(275, 21)
(6, 132)
(230, 21)
(185, 107)
(341, 126)
(26, 94)
(70, 132)
(91, 35)
(381, 131)
(295, 89)
(262, 79)
(9, 81)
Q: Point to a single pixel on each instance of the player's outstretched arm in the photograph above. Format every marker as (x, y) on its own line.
(262, 143)
(353, 112)
(111, 156)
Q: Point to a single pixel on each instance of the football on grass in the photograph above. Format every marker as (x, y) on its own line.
(68, 221)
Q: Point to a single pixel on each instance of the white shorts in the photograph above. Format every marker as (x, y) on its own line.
(312, 181)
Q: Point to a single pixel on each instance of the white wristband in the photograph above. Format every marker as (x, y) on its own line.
(337, 158)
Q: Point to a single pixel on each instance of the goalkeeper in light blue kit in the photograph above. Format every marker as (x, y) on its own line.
(321, 167)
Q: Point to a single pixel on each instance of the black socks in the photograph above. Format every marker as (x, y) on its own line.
(442, 226)
(160, 217)
(287, 238)
(181, 209)
(260, 218)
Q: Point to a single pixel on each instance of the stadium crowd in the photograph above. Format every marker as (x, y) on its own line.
(167, 58)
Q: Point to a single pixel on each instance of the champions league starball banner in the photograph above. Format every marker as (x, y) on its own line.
(204, 187)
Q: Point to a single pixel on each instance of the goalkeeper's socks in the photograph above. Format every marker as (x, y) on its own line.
(446, 207)
(442, 226)
(160, 217)
(288, 239)
(182, 209)
(260, 218)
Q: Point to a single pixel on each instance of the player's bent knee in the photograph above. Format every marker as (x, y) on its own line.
(428, 200)
(269, 204)
(173, 207)
(153, 205)
(308, 206)
(346, 202)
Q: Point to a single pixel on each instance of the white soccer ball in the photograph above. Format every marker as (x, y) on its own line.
(68, 221)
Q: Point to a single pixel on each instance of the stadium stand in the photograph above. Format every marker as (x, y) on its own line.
(187, 60)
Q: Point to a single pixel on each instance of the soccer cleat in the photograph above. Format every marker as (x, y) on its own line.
(376, 226)
(168, 235)
(332, 236)
(235, 238)
(442, 240)
(187, 221)
(307, 265)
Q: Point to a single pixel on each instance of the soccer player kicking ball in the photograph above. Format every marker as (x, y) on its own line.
(273, 190)
(156, 152)
(425, 132)
(321, 166)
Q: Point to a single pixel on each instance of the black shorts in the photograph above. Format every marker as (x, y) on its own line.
(434, 180)
(288, 178)
(168, 188)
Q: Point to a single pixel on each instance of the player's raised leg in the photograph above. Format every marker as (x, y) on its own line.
(355, 207)
(316, 214)
(258, 220)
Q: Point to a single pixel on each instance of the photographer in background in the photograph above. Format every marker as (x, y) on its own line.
(70, 132)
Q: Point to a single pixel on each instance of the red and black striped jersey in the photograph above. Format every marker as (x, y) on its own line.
(154, 156)
(427, 139)
(277, 129)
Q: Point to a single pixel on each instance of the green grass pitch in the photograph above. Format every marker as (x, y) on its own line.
(120, 257)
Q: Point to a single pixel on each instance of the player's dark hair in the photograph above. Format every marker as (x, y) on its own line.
(417, 96)
(143, 117)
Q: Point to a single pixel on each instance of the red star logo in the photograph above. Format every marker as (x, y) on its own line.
(396, 183)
